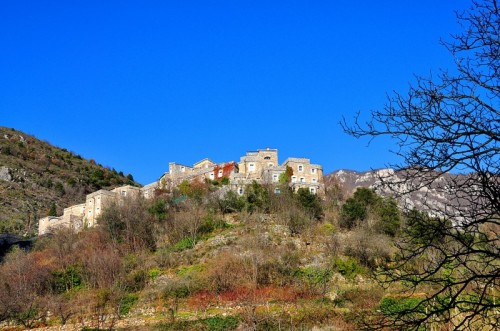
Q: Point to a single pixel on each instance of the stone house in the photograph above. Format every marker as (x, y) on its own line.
(86, 214)
(305, 174)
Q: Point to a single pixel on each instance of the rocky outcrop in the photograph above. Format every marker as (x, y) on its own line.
(436, 197)
(5, 174)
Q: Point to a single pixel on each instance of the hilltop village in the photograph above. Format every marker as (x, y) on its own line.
(261, 166)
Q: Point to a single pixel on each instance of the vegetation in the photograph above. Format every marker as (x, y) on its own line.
(190, 260)
(191, 256)
(365, 205)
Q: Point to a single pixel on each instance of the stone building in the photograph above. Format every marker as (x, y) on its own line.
(86, 214)
(254, 163)
(261, 166)
(305, 174)
(200, 171)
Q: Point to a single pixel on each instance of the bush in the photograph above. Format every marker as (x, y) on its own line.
(364, 203)
(388, 213)
(231, 203)
(154, 273)
(348, 267)
(126, 303)
(177, 289)
(352, 212)
(370, 249)
(66, 279)
(183, 244)
(158, 209)
(392, 306)
(310, 202)
(136, 280)
(257, 198)
(209, 224)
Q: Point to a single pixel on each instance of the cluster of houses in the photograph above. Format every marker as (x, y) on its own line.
(261, 166)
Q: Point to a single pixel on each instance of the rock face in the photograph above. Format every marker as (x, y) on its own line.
(437, 197)
(5, 174)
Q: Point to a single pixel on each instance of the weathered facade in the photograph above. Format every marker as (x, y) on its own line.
(261, 166)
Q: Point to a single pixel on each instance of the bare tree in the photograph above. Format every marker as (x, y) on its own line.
(446, 124)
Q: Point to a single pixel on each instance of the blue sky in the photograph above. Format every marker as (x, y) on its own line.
(137, 84)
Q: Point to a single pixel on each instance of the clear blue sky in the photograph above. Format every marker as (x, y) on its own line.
(137, 84)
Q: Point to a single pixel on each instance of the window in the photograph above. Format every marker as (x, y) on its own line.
(313, 171)
(300, 168)
(314, 180)
(275, 178)
(302, 179)
(251, 167)
(294, 179)
(183, 169)
(211, 175)
(124, 193)
(267, 158)
(312, 190)
(240, 191)
(277, 191)
(220, 173)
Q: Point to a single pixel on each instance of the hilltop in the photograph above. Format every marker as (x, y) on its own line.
(35, 175)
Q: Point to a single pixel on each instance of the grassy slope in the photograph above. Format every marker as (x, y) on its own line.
(182, 293)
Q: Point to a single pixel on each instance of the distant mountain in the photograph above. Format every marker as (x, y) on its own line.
(34, 176)
(434, 197)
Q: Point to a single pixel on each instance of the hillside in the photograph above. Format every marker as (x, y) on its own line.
(255, 262)
(34, 175)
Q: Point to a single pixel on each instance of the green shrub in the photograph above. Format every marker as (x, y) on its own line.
(127, 302)
(183, 244)
(154, 273)
(177, 289)
(190, 270)
(315, 278)
(392, 306)
(348, 268)
(231, 203)
(159, 209)
(210, 224)
(352, 212)
(66, 279)
(390, 220)
(136, 280)
(257, 198)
